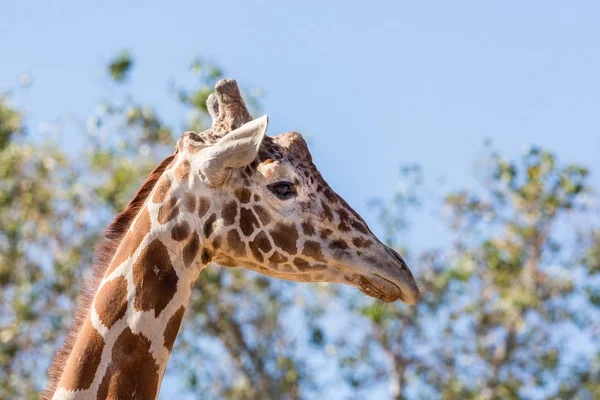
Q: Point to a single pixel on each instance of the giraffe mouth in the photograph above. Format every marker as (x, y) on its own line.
(385, 289)
(380, 288)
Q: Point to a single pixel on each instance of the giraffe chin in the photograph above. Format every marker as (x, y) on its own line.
(383, 289)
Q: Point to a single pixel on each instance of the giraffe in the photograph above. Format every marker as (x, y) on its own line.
(229, 195)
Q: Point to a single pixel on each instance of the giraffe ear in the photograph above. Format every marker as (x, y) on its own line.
(235, 150)
(212, 104)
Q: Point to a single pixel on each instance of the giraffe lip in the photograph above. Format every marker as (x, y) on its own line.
(380, 288)
(394, 291)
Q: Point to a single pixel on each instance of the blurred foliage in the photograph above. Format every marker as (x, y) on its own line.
(502, 303)
(120, 67)
(509, 304)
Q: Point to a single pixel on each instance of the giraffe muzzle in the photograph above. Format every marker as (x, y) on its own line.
(390, 279)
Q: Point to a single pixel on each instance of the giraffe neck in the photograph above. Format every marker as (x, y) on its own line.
(124, 343)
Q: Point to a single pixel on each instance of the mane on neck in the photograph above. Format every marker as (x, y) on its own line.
(103, 255)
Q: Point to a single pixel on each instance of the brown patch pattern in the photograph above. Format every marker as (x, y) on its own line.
(264, 216)
(190, 202)
(191, 249)
(235, 244)
(124, 379)
(162, 190)
(84, 359)
(248, 221)
(229, 213)
(308, 228)
(205, 256)
(180, 231)
(327, 212)
(301, 264)
(203, 206)
(360, 227)
(259, 245)
(360, 242)
(243, 195)
(182, 171)
(111, 301)
(168, 210)
(173, 327)
(338, 244)
(313, 250)
(104, 254)
(277, 258)
(208, 225)
(325, 233)
(285, 237)
(154, 278)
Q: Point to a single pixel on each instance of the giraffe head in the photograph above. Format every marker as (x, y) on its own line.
(270, 210)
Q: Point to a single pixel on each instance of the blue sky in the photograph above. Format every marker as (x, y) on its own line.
(375, 84)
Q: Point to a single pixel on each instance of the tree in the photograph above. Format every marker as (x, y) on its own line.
(501, 303)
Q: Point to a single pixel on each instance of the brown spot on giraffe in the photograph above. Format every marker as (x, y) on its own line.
(209, 225)
(229, 213)
(361, 243)
(327, 212)
(338, 244)
(182, 172)
(168, 210)
(154, 278)
(305, 205)
(190, 202)
(243, 195)
(330, 195)
(124, 379)
(264, 216)
(276, 259)
(325, 233)
(313, 250)
(343, 214)
(360, 227)
(84, 359)
(111, 301)
(285, 237)
(132, 239)
(302, 264)
(163, 188)
(217, 241)
(191, 249)
(248, 221)
(203, 206)
(260, 245)
(235, 243)
(173, 327)
(205, 256)
(180, 231)
(344, 218)
(308, 228)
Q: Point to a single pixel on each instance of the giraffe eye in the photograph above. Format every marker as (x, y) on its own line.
(283, 190)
